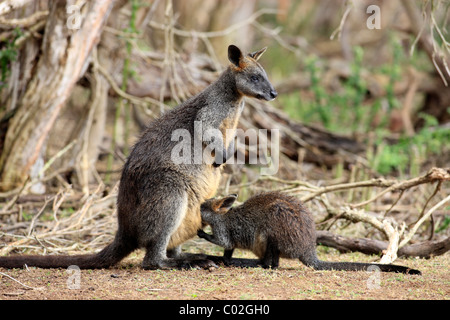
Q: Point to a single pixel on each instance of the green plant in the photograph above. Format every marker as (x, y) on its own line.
(393, 71)
(347, 108)
(337, 111)
(407, 152)
(355, 88)
(320, 103)
(8, 54)
(445, 223)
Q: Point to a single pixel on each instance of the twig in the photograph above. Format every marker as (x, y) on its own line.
(426, 38)
(338, 31)
(395, 202)
(435, 174)
(10, 5)
(413, 230)
(36, 216)
(436, 190)
(387, 226)
(274, 33)
(139, 101)
(24, 285)
(350, 212)
(214, 34)
(24, 22)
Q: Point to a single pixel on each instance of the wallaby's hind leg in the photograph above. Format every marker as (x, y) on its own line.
(167, 215)
(227, 254)
(156, 258)
(272, 255)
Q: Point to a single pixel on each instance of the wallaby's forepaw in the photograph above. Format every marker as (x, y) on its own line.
(221, 158)
(202, 234)
(200, 264)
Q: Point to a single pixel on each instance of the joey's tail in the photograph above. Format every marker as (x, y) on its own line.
(317, 264)
(109, 256)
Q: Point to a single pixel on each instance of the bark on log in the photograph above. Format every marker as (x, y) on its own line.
(424, 249)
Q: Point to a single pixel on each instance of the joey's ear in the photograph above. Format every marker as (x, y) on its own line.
(228, 201)
(234, 55)
(257, 54)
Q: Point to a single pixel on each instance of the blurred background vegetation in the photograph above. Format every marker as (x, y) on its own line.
(386, 88)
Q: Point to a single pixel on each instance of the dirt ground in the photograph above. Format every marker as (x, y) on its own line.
(292, 281)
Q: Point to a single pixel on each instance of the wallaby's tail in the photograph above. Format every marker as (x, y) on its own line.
(109, 256)
(356, 266)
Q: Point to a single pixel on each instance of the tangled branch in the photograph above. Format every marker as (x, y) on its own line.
(398, 235)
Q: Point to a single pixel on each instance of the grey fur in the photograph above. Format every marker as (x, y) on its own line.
(159, 200)
(272, 225)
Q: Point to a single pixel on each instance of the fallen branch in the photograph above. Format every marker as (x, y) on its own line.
(433, 175)
(425, 249)
(393, 231)
(388, 226)
(421, 220)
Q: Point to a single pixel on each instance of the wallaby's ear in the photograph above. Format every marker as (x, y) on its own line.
(234, 55)
(228, 201)
(257, 54)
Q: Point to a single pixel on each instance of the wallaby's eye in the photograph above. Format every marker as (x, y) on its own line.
(254, 78)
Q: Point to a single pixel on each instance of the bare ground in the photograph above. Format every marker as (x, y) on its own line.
(292, 281)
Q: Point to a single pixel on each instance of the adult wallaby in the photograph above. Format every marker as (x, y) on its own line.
(272, 225)
(159, 199)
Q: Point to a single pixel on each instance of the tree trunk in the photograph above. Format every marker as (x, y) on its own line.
(65, 53)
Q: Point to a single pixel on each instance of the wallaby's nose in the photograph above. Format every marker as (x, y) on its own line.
(273, 94)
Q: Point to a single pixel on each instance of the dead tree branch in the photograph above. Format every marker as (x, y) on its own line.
(394, 232)
(425, 249)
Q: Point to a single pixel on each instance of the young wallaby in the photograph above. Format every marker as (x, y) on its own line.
(272, 225)
(159, 199)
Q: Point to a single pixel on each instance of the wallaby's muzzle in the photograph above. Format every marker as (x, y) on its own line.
(273, 94)
(269, 96)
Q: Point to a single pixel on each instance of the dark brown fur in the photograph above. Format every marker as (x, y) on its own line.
(272, 225)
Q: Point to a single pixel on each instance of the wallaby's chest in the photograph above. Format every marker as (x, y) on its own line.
(229, 124)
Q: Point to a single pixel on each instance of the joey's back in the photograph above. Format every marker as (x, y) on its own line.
(272, 225)
(269, 215)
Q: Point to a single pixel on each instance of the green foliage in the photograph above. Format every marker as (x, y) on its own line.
(409, 152)
(320, 103)
(445, 224)
(338, 111)
(8, 53)
(348, 110)
(393, 71)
